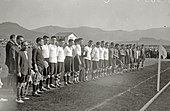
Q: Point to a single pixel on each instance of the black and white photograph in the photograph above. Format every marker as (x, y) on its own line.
(84, 55)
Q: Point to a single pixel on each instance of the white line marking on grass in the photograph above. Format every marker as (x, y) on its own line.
(117, 95)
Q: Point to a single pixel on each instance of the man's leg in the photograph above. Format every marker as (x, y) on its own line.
(19, 94)
(19, 86)
(24, 90)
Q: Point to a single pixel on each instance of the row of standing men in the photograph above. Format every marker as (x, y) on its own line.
(54, 63)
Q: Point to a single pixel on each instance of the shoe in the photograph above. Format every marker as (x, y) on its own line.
(36, 94)
(52, 86)
(78, 81)
(69, 82)
(25, 98)
(40, 92)
(57, 85)
(19, 101)
(43, 89)
(66, 84)
(48, 87)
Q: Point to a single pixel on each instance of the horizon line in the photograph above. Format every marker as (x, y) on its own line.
(83, 26)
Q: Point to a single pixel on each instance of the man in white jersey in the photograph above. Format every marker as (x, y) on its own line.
(95, 60)
(143, 55)
(53, 53)
(82, 66)
(111, 58)
(60, 61)
(77, 60)
(134, 57)
(101, 59)
(131, 56)
(138, 56)
(127, 58)
(87, 58)
(45, 53)
(106, 58)
(68, 51)
(122, 56)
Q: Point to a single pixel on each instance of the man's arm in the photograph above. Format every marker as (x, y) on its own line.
(34, 56)
(18, 68)
(93, 53)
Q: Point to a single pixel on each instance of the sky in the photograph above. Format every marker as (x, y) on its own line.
(107, 15)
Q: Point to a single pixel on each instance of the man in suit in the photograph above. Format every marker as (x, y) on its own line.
(23, 71)
(13, 54)
(9, 44)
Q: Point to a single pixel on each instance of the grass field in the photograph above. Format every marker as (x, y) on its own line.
(119, 92)
(162, 103)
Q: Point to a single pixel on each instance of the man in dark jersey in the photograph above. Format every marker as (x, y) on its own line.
(38, 65)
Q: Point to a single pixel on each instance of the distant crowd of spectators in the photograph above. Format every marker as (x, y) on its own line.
(154, 53)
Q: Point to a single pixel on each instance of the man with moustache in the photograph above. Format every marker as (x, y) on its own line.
(13, 57)
(23, 70)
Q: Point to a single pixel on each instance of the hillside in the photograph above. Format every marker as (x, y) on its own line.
(149, 36)
(147, 41)
(118, 35)
(8, 28)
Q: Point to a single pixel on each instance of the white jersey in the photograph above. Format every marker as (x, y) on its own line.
(61, 55)
(53, 53)
(95, 54)
(137, 54)
(88, 51)
(101, 53)
(68, 51)
(45, 51)
(77, 50)
(106, 54)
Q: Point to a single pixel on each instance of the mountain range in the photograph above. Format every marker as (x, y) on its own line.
(148, 36)
(8, 28)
